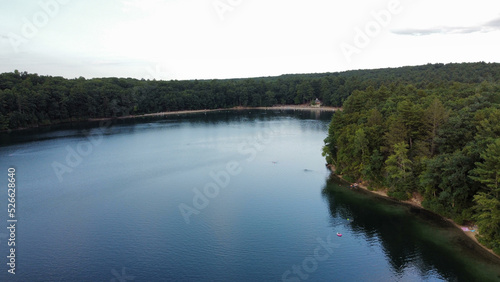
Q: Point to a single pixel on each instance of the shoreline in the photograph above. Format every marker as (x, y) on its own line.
(281, 107)
(156, 114)
(284, 107)
(414, 202)
(290, 107)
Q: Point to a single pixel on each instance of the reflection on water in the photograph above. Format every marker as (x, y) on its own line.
(410, 237)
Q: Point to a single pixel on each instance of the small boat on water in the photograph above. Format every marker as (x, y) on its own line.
(339, 234)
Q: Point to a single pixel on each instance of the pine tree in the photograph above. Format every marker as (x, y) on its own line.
(398, 165)
(488, 172)
(436, 116)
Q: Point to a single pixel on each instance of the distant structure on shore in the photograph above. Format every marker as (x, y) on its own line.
(316, 103)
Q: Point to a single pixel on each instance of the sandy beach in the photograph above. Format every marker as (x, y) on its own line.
(284, 107)
(291, 107)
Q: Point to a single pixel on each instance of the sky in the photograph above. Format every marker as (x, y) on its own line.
(217, 39)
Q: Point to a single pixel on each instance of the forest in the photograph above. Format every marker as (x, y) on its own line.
(31, 100)
(439, 141)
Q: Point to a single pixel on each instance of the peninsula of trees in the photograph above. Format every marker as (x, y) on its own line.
(437, 139)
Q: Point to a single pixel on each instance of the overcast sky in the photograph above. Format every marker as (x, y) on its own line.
(201, 39)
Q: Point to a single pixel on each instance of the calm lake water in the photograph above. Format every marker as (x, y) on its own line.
(222, 196)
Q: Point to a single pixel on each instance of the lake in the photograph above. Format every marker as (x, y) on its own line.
(219, 196)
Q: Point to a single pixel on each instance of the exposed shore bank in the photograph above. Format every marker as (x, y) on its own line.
(284, 107)
(416, 201)
(281, 107)
(291, 107)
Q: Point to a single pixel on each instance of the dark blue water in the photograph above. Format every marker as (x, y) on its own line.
(224, 196)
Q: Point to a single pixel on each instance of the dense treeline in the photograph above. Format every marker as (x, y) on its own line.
(29, 100)
(440, 141)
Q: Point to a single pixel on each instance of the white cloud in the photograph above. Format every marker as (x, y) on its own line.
(188, 39)
(489, 26)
